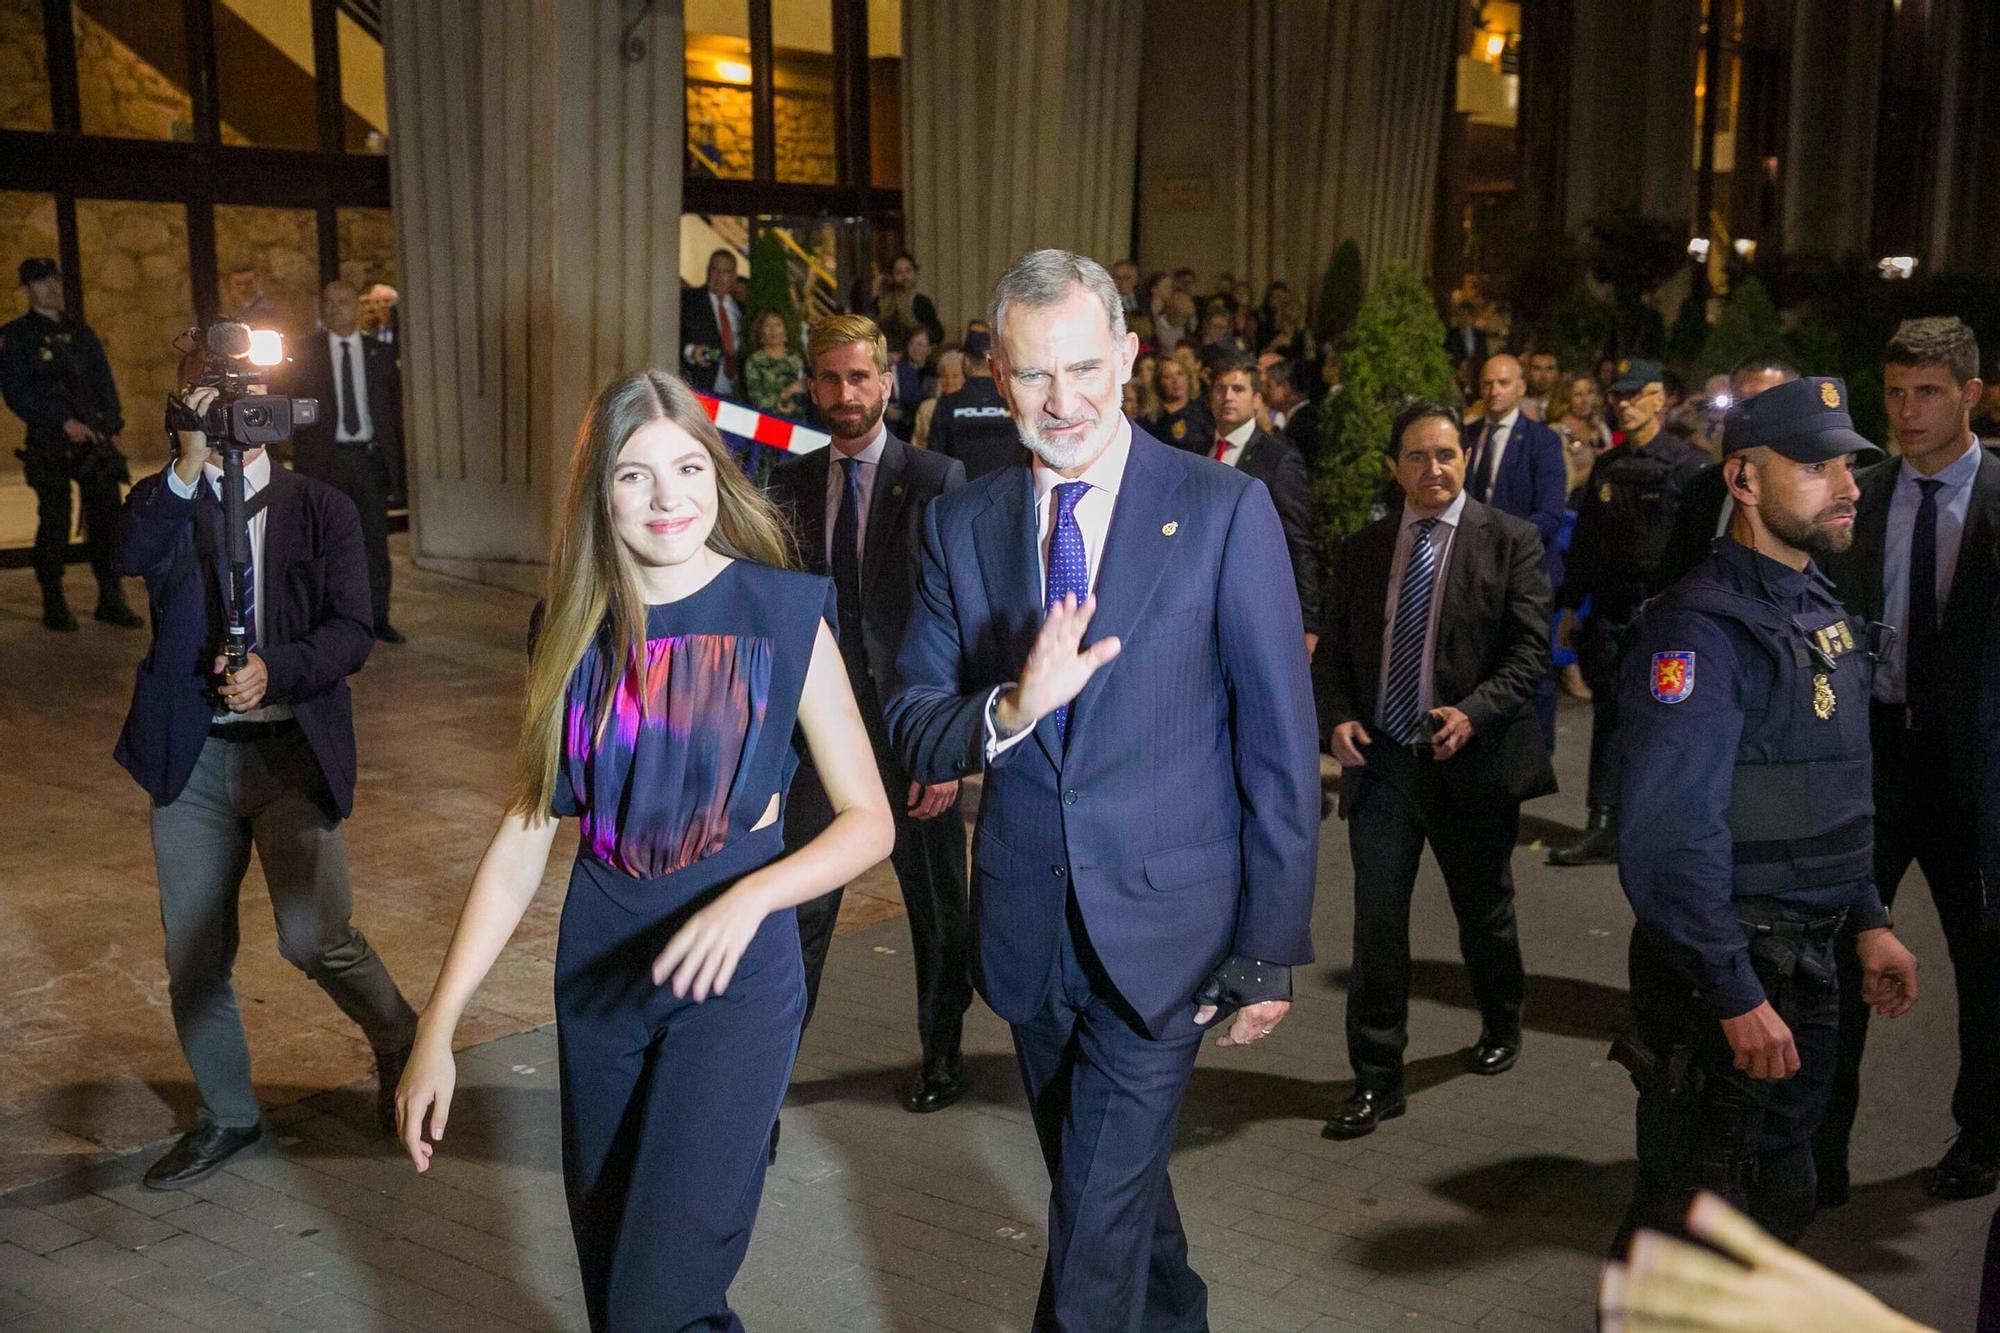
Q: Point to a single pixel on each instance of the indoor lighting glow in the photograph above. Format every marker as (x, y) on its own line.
(732, 71)
(1744, 247)
(1495, 44)
(267, 347)
(1895, 267)
(1698, 249)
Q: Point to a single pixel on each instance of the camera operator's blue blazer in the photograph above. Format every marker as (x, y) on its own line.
(1185, 808)
(313, 632)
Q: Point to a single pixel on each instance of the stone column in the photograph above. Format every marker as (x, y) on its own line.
(537, 182)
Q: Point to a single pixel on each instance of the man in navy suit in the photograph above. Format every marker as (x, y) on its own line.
(262, 757)
(1148, 832)
(1515, 464)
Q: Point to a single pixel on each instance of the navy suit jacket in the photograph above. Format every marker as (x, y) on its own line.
(1184, 811)
(1533, 483)
(314, 627)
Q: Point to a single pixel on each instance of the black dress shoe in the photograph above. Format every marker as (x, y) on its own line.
(1971, 1168)
(388, 1073)
(776, 1125)
(56, 613)
(936, 1086)
(199, 1154)
(1495, 1055)
(388, 633)
(1598, 845)
(1359, 1114)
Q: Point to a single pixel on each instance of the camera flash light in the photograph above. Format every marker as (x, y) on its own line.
(267, 347)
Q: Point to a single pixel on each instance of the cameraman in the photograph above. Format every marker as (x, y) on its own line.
(262, 757)
(54, 376)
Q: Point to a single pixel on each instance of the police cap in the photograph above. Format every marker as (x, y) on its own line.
(34, 270)
(1805, 420)
(1634, 376)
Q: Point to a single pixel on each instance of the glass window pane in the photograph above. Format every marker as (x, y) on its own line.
(368, 258)
(268, 262)
(717, 57)
(364, 90)
(802, 90)
(132, 69)
(133, 258)
(885, 93)
(27, 230)
(264, 72)
(24, 67)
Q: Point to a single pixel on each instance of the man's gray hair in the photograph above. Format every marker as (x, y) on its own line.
(1044, 278)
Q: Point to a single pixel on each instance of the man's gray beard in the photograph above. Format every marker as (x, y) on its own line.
(1063, 458)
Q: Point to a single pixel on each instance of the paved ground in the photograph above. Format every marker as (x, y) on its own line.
(1487, 1206)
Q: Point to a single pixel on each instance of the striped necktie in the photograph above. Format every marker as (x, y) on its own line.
(1406, 641)
(1069, 564)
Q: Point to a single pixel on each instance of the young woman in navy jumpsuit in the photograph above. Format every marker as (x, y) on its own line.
(675, 657)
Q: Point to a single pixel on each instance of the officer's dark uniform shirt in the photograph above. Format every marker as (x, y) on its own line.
(1625, 523)
(973, 425)
(1744, 694)
(54, 369)
(1190, 427)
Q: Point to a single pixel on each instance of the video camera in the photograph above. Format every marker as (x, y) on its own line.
(234, 359)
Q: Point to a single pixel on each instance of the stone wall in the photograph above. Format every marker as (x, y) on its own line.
(284, 245)
(367, 247)
(718, 118)
(24, 68)
(134, 259)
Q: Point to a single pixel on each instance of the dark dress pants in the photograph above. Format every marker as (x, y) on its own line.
(1401, 804)
(1598, 652)
(929, 860)
(361, 473)
(1923, 815)
(1106, 1099)
(46, 468)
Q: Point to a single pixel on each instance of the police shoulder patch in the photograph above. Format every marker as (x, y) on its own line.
(1673, 676)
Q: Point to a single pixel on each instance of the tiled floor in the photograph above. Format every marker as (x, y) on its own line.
(1486, 1206)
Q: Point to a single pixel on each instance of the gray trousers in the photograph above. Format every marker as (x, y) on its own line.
(266, 794)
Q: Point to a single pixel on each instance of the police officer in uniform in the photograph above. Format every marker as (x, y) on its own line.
(973, 424)
(1746, 694)
(54, 377)
(1618, 557)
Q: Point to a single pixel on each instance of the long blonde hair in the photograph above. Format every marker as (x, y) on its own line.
(593, 586)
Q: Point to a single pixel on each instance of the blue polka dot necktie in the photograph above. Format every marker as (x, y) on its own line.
(1069, 564)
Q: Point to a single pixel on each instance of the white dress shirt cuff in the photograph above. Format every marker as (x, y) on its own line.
(995, 746)
(181, 488)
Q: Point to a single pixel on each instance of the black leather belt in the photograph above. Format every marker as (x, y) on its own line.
(1853, 836)
(239, 732)
(1816, 929)
(356, 444)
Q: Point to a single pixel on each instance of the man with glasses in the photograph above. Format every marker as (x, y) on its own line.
(1618, 557)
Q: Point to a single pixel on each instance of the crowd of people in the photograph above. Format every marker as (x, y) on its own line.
(1054, 553)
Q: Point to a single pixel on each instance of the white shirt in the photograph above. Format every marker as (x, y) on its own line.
(256, 476)
(1954, 509)
(1406, 539)
(870, 459)
(1497, 434)
(726, 314)
(1233, 443)
(1093, 520)
(334, 342)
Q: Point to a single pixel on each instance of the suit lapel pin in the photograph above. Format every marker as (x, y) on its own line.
(895, 490)
(1170, 529)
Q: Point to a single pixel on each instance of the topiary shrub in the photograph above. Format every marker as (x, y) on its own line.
(1749, 327)
(771, 289)
(1396, 354)
(1340, 294)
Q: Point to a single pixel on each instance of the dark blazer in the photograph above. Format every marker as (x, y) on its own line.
(1532, 483)
(1277, 462)
(1492, 649)
(310, 375)
(1183, 813)
(699, 329)
(906, 481)
(1967, 614)
(1465, 344)
(314, 628)
(1302, 428)
(1696, 520)
(1987, 784)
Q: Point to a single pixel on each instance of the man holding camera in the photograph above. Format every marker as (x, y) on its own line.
(260, 757)
(54, 376)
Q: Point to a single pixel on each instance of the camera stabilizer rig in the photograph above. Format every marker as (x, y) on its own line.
(236, 361)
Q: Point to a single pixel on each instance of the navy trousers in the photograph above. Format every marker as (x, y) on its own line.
(667, 1107)
(1106, 1098)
